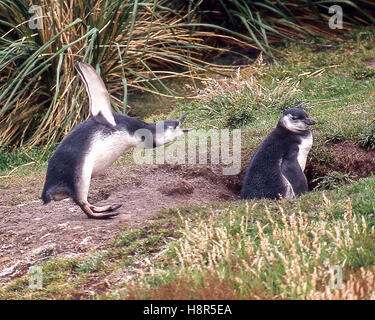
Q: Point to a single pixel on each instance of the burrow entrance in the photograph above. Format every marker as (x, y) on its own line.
(339, 163)
(334, 164)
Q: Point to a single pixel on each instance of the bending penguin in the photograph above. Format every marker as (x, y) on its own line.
(276, 168)
(96, 143)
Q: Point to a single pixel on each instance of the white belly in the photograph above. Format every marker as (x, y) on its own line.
(304, 149)
(107, 149)
(104, 150)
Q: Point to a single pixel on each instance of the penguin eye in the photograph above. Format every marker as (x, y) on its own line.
(294, 118)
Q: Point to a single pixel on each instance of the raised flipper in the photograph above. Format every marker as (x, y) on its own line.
(100, 105)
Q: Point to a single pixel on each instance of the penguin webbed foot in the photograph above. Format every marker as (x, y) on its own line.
(100, 212)
(106, 208)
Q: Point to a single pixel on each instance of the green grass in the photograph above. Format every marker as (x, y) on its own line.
(255, 249)
(266, 249)
(333, 180)
(12, 160)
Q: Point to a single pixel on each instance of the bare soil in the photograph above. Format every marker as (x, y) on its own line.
(370, 64)
(31, 232)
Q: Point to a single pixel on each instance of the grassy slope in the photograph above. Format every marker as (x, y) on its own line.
(255, 249)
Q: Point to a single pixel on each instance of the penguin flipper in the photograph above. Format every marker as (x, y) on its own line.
(100, 105)
(292, 171)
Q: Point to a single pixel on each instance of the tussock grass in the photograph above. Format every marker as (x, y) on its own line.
(134, 45)
(268, 23)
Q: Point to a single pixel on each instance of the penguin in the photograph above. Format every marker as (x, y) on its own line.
(276, 169)
(96, 143)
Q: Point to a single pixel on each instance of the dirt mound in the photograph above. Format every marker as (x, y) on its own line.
(178, 186)
(214, 174)
(32, 232)
(346, 157)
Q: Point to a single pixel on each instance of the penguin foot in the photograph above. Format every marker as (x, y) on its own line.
(106, 208)
(99, 214)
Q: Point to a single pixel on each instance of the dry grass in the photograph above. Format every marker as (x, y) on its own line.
(359, 286)
(185, 288)
(280, 256)
(241, 98)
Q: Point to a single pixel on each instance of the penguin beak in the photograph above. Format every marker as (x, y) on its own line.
(181, 120)
(183, 117)
(309, 121)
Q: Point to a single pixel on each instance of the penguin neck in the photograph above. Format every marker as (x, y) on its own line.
(160, 134)
(281, 127)
(149, 139)
(152, 128)
(148, 135)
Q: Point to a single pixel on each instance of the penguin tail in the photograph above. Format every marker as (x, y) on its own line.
(45, 196)
(55, 193)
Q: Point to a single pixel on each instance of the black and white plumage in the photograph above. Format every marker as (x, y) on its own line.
(276, 168)
(96, 143)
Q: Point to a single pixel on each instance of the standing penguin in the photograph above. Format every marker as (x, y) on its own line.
(96, 143)
(276, 168)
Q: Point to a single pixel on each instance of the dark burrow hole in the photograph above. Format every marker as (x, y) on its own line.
(328, 167)
(339, 163)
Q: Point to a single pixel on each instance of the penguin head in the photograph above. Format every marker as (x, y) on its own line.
(296, 120)
(169, 130)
